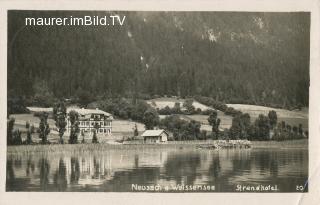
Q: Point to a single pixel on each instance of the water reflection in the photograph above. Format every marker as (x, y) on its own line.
(10, 174)
(30, 166)
(122, 180)
(274, 168)
(60, 177)
(75, 170)
(44, 168)
(117, 170)
(215, 168)
(182, 167)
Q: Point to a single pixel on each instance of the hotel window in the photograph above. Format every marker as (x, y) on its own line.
(87, 123)
(105, 130)
(91, 123)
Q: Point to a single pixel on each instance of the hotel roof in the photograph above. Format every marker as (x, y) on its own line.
(81, 111)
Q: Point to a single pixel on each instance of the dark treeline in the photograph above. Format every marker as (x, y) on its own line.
(233, 57)
(263, 128)
(218, 105)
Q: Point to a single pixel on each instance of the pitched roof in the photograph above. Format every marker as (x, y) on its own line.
(150, 133)
(83, 111)
(40, 109)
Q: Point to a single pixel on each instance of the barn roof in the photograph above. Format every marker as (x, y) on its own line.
(40, 109)
(151, 133)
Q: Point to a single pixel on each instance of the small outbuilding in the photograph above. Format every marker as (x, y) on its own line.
(155, 136)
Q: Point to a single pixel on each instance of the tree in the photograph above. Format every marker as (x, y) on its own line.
(262, 126)
(10, 125)
(96, 128)
(17, 140)
(16, 105)
(235, 129)
(30, 131)
(226, 134)
(165, 111)
(27, 125)
(214, 121)
(74, 127)
(273, 118)
(135, 132)
(289, 128)
(245, 124)
(95, 138)
(82, 134)
(173, 124)
(150, 119)
(176, 108)
(44, 129)
(59, 115)
(193, 130)
(295, 132)
(182, 129)
(190, 109)
(283, 125)
(203, 135)
(300, 129)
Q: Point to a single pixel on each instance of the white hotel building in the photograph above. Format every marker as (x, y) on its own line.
(88, 118)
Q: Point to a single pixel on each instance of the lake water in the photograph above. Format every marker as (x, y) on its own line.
(125, 170)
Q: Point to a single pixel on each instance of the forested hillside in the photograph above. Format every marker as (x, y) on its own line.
(254, 58)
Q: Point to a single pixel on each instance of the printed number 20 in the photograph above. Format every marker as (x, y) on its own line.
(299, 188)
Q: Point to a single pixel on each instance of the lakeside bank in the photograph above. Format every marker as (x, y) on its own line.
(296, 144)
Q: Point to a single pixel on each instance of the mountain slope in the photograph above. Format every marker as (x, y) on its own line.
(256, 58)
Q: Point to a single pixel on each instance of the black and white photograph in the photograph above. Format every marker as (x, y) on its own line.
(157, 101)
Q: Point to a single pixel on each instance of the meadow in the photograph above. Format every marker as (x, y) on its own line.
(160, 103)
(293, 118)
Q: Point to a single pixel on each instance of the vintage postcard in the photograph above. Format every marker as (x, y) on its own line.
(175, 101)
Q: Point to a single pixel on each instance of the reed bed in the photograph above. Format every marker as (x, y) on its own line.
(82, 148)
(301, 143)
(57, 148)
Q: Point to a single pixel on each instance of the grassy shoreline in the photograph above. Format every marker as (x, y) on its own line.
(301, 144)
